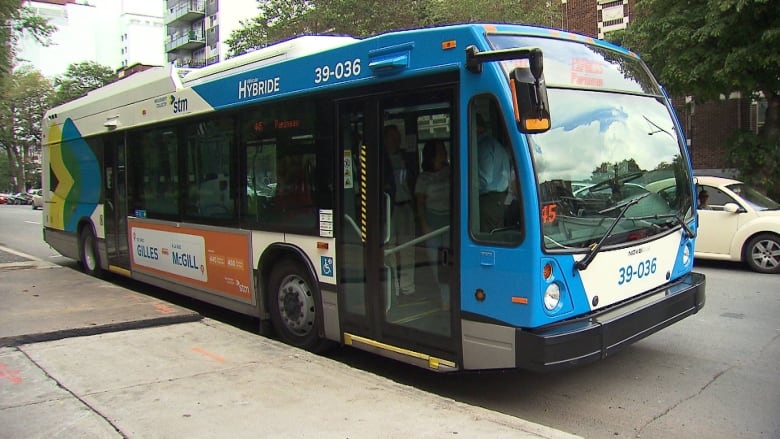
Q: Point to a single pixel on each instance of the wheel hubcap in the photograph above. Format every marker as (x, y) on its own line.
(766, 254)
(296, 305)
(89, 254)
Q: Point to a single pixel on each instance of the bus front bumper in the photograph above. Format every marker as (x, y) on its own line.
(606, 331)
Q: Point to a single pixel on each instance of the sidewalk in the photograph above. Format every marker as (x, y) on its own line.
(80, 357)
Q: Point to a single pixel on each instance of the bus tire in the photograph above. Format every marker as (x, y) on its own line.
(89, 256)
(761, 253)
(292, 303)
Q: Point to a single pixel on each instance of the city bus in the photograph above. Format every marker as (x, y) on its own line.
(294, 183)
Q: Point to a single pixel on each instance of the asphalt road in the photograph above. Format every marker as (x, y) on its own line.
(713, 375)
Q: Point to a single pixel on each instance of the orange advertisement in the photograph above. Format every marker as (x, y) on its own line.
(206, 259)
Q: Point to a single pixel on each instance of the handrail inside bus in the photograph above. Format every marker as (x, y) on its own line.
(388, 229)
(353, 223)
(440, 231)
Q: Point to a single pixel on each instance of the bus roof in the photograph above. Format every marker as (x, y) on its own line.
(287, 68)
(272, 54)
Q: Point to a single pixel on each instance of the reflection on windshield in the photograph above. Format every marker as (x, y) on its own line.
(603, 150)
(752, 196)
(571, 64)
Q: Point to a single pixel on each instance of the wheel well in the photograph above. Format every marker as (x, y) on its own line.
(269, 259)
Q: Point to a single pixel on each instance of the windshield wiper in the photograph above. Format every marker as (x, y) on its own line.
(583, 263)
(677, 219)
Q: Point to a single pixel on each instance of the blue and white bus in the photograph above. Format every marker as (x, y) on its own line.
(459, 198)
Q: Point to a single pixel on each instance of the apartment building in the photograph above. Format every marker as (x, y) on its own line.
(196, 30)
(114, 33)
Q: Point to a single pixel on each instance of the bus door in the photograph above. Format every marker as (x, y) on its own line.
(395, 248)
(115, 206)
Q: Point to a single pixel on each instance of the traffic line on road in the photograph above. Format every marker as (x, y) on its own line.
(20, 254)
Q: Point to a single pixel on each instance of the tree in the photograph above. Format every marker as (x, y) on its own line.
(281, 19)
(5, 176)
(81, 78)
(15, 21)
(711, 47)
(18, 122)
(25, 100)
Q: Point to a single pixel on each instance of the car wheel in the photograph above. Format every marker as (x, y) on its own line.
(762, 253)
(292, 303)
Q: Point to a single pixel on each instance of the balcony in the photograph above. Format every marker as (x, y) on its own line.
(190, 41)
(185, 12)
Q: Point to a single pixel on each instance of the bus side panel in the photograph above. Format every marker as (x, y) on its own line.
(72, 184)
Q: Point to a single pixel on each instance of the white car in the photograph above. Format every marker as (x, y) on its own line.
(738, 224)
(37, 199)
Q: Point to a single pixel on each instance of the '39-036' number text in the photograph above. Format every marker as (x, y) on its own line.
(629, 272)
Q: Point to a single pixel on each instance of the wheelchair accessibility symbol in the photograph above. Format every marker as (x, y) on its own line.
(326, 266)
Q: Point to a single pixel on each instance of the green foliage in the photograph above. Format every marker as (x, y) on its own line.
(15, 21)
(758, 160)
(711, 47)
(5, 174)
(282, 19)
(81, 78)
(24, 100)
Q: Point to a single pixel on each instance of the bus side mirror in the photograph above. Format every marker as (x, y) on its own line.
(532, 110)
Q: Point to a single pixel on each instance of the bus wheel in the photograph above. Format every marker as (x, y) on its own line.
(89, 259)
(292, 302)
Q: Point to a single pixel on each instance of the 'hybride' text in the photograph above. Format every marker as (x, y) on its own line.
(250, 88)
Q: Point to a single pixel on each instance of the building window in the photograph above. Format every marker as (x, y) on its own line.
(612, 15)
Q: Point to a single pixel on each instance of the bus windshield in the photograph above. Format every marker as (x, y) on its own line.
(612, 140)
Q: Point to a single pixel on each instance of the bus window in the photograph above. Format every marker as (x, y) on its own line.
(154, 173)
(288, 172)
(209, 146)
(494, 212)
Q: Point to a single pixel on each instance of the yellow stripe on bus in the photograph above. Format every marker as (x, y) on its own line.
(433, 362)
(119, 270)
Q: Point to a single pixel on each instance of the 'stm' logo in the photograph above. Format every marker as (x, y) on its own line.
(178, 105)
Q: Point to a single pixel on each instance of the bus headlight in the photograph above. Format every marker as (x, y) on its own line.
(552, 296)
(686, 256)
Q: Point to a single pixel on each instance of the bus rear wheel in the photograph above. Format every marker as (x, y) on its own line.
(292, 303)
(89, 259)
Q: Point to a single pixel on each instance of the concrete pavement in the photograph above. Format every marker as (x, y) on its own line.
(81, 357)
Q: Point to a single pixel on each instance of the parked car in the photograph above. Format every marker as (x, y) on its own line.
(23, 198)
(4, 198)
(739, 223)
(16, 198)
(37, 199)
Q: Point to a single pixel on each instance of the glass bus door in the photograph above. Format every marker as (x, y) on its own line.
(115, 206)
(395, 249)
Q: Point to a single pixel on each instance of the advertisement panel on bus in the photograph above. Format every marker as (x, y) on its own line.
(217, 261)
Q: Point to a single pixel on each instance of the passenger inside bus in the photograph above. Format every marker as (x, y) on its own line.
(403, 227)
(433, 208)
(493, 174)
